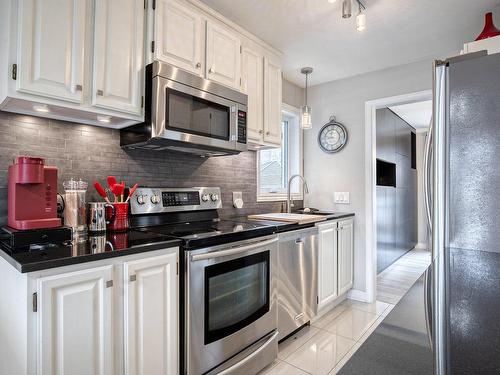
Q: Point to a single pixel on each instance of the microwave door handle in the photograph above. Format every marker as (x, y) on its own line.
(228, 252)
(236, 366)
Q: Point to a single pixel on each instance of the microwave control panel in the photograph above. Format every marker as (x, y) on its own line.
(242, 126)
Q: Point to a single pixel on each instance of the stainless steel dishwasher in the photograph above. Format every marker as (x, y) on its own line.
(297, 279)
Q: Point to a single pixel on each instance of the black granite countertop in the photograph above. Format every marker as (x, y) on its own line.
(400, 344)
(92, 249)
(127, 243)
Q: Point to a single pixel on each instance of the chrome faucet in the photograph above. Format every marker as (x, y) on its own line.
(289, 191)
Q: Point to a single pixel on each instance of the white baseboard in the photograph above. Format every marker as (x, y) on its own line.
(358, 295)
(421, 246)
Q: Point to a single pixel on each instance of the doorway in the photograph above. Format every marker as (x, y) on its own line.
(395, 135)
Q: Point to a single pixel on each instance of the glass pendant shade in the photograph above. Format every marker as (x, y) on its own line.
(305, 117)
(360, 22)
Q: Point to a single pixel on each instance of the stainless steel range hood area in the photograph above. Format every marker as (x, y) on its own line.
(189, 114)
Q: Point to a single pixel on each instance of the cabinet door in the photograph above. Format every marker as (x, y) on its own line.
(252, 77)
(75, 333)
(272, 100)
(118, 55)
(346, 255)
(327, 263)
(223, 55)
(386, 135)
(52, 36)
(178, 34)
(151, 321)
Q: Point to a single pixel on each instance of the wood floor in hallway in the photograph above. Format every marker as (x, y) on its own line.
(395, 280)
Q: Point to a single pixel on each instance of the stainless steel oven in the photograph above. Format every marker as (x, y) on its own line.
(187, 113)
(231, 312)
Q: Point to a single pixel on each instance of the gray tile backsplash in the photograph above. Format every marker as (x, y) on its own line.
(92, 153)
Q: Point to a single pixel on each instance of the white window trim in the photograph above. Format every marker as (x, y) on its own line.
(281, 197)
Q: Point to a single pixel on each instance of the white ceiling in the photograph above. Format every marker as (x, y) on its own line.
(313, 33)
(417, 114)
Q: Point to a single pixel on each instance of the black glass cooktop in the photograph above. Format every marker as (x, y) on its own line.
(211, 233)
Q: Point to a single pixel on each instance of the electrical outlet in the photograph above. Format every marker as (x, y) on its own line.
(341, 197)
(238, 199)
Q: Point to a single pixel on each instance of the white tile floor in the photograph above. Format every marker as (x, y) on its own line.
(325, 346)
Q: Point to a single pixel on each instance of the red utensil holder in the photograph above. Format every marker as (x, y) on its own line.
(117, 218)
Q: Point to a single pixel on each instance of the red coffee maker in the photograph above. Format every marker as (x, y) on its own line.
(32, 194)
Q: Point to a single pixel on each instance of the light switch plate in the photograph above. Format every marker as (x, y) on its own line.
(341, 197)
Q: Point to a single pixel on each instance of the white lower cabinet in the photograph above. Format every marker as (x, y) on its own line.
(110, 317)
(150, 300)
(345, 255)
(335, 260)
(327, 263)
(75, 333)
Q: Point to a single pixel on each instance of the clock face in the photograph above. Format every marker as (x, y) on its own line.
(332, 137)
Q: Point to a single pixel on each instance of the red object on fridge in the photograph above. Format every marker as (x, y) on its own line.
(32, 194)
(489, 28)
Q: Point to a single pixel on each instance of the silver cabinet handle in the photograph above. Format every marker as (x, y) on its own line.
(299, 240)
(261, 131)
(232, 369)
(78, 87)
(198, 65)
(267, 133)
(100, 93)
(211, 70)
(228, 252)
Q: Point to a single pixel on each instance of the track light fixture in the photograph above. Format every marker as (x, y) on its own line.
(347, 12)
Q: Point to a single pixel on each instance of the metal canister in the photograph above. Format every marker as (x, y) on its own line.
(96, 216)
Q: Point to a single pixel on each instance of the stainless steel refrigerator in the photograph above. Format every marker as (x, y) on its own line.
(464, 177)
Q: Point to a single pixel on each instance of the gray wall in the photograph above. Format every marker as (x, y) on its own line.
(292, 94)
(91, 153)
(345, 171)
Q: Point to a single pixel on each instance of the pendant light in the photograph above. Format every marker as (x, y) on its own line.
(305, 110)
(346, 8)
(361, 18)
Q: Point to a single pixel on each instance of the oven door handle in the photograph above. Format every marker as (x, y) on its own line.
(236, 366)
(228, 252)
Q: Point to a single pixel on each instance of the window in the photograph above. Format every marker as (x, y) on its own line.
(276, 165)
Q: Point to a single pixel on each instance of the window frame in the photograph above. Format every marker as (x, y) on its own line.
(290, 111)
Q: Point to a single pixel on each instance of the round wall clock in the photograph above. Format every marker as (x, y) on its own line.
(332, 137)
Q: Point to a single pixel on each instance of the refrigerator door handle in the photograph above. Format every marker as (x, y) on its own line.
(439, 166)
(427, 177)
(428, 305)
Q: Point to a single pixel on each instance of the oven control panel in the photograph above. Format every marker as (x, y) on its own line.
(161, 200)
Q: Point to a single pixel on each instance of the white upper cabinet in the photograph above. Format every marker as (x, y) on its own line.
(346, 255)
(51, 56)
(223, 50)
(179, 35)
(151, 319)
(252, 84)
(118, 55)
(327, 263)
(272, 100)
(75, 333)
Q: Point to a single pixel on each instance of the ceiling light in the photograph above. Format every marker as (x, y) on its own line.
(332, 1)
(346, 8)
(360, 21)
(305, 110)
(104, 119)
(41, 108)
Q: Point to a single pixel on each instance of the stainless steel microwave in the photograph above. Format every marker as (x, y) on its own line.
(190, 114)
